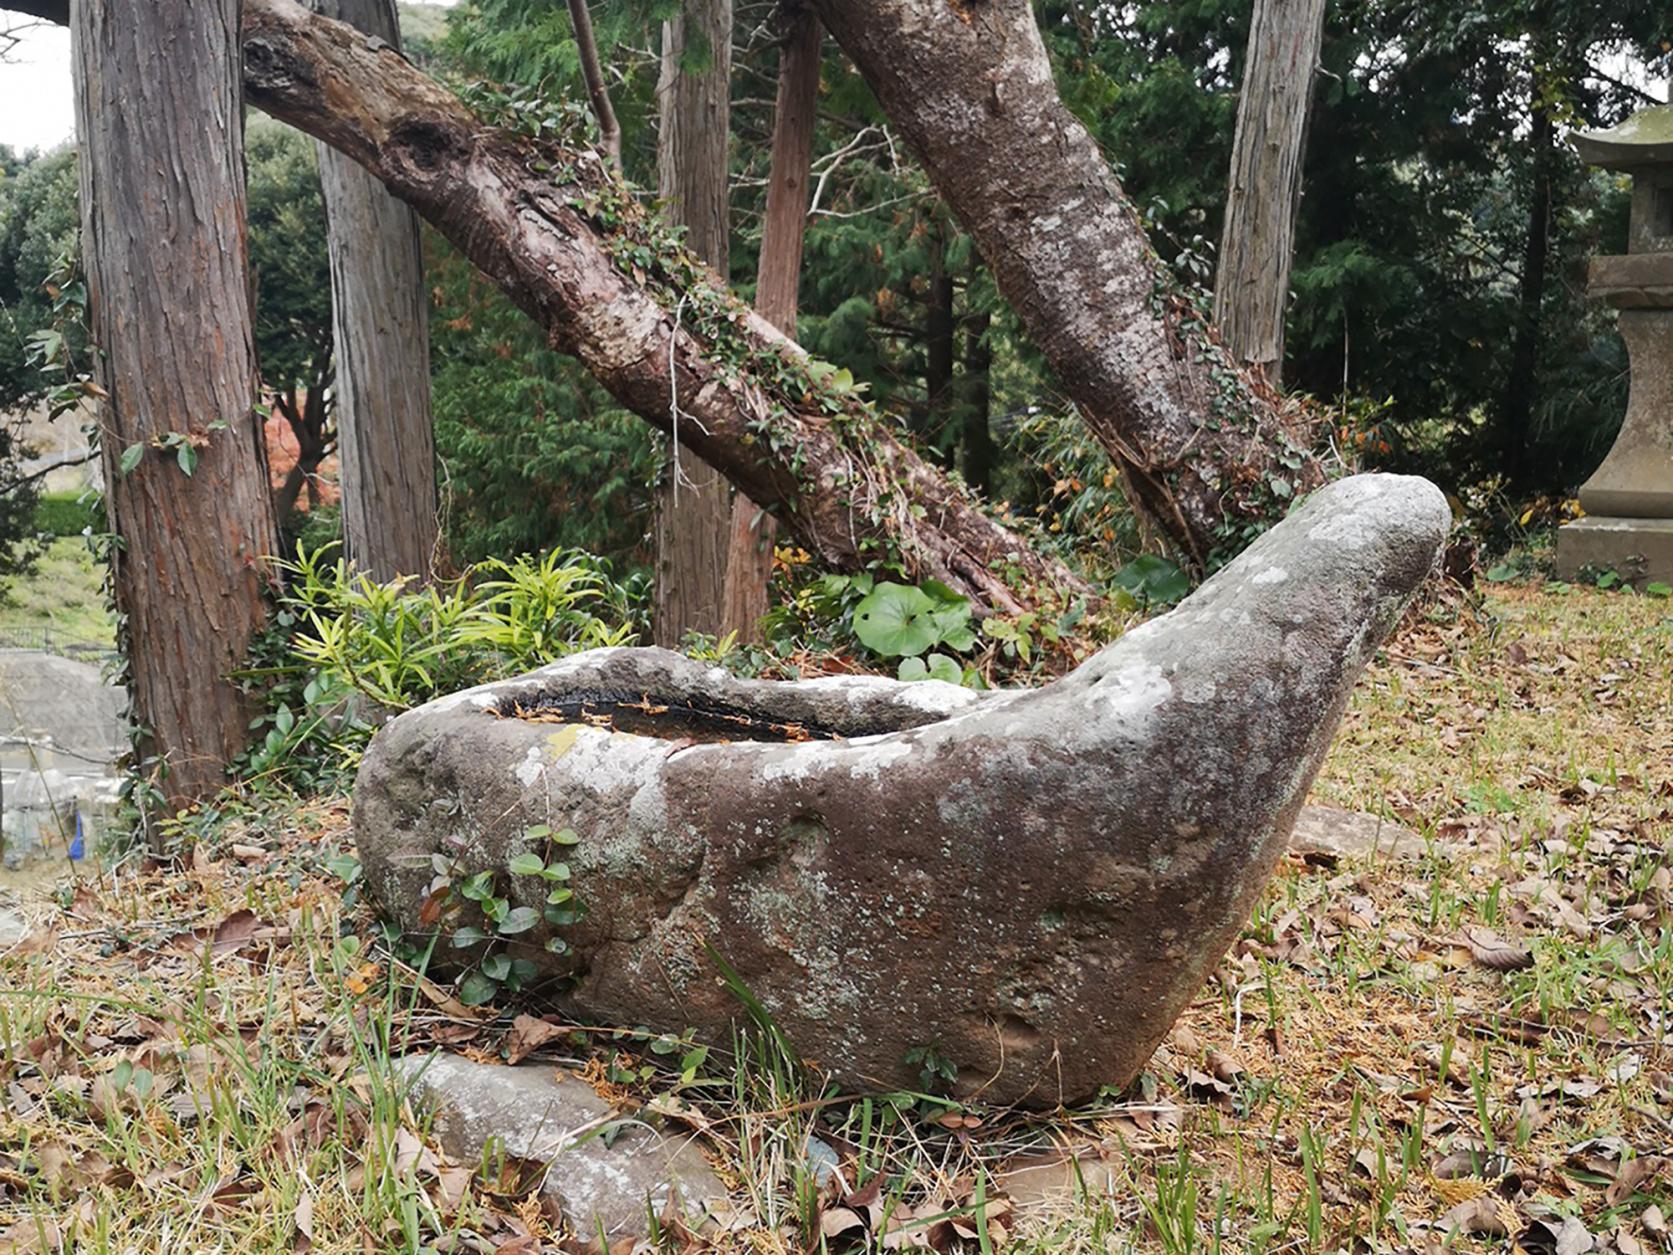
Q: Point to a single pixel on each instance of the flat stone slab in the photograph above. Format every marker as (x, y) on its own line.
(1638, 549)
(1353, 834)
(534, 1112)
(1025, 887)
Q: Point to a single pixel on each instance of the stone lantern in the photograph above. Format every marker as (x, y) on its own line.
(1629, 501)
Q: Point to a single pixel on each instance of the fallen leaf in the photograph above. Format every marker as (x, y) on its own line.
(528, 1034)
(1486, 1213)
(1493, 951)
(303, 1219)
(1632, 1174)
(839, 1220)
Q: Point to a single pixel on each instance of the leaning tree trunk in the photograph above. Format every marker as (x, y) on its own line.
(1252, 282)
(160, 115)
(1205, 453)
(696, 587)
(555, 227)
(592, 74)
(385, 434)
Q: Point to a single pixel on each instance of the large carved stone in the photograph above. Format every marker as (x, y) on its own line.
(1030, 883)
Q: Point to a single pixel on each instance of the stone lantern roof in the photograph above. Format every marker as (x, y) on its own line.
(1644, 139)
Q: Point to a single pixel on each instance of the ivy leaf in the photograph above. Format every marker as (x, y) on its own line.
(477, 989)
(519, 920)
(897, 620)
(467, 936)
(131, 457)
(1151, 578)
(187, 457)
(496, 967)
(564, 916)
(526, 864)
(565, 836)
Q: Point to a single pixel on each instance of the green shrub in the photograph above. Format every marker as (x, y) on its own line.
(343, 646)
(400, 645)
(68, 513)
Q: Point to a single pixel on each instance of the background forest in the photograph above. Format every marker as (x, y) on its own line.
(1438, 279)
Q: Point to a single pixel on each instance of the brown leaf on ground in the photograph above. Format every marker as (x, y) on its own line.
(1486, 1213)
(1491, 950)
(1634, 1173)
(528, 1034)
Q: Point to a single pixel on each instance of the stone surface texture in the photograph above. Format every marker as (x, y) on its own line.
(1631, 493)
(1640, 549)
(1353, 835)
(534, 1112)
(1636, 480)
(1030, 883)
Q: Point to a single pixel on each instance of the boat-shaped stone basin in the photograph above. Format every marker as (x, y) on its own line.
(1027, 886)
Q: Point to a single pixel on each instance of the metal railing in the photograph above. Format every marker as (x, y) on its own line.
(48, 639)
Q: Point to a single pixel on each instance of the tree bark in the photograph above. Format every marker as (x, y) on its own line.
(592, 73)
(1252, 282)
(380, 324)
(555, 227)
(778, 273)
(160, 115)
(939, 400)
(778, 281)
(1516, 409)
(979, 453)
(1205, 453)
(697, 589)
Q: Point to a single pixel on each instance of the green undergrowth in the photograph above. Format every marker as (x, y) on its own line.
(1459, 1048)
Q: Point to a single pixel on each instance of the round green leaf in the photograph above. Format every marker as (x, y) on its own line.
(526, 864)
(897, 621)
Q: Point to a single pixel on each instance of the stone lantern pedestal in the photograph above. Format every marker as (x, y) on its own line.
(1629, 500)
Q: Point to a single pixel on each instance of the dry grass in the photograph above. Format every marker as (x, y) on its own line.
(200, 1060)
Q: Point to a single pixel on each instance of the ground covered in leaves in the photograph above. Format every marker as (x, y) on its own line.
(1463, 1046)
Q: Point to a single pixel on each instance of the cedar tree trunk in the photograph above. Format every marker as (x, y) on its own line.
(160, 115)
(380, 321)
(778, 272)
(1252, 282)
(694, 506)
